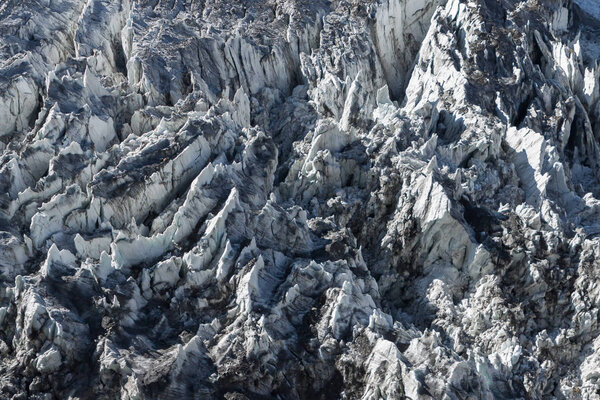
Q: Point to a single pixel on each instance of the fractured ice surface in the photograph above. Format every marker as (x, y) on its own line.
(286, 199)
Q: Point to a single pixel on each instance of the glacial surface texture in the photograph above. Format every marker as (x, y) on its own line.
(299, 199)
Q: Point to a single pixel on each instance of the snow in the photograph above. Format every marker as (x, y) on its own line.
(592, 7)
(397, 197)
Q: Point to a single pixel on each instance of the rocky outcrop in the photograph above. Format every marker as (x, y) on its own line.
(378, 199)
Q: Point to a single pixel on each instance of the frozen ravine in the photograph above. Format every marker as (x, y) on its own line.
(385, 199)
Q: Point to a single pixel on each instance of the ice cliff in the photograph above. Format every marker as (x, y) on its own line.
(299, 199)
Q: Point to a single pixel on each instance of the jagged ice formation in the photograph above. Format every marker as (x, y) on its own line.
(294, 199)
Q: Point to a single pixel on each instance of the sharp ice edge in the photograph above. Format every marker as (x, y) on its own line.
(361, 200)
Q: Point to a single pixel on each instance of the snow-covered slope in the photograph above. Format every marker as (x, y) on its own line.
(591, 7)
(288, 199)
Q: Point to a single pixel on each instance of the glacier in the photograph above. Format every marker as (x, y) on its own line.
(290, 199)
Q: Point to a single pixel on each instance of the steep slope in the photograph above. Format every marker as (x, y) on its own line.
(299, 199)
